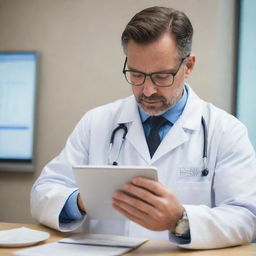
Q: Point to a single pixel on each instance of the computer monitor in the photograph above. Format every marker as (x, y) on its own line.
(18, 72)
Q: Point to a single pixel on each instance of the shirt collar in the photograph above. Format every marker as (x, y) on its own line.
(173, 113)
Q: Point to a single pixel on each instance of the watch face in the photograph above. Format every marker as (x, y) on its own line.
(182, 227)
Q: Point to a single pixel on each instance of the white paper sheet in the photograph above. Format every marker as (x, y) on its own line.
(85, 244)
(61, 249)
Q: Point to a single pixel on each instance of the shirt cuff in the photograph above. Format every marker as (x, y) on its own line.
(70, 211)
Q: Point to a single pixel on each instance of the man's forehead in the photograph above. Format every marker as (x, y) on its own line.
(166, 44)
(152, 58)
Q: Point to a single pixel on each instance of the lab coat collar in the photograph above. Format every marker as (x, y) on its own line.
(189, 120)
(129, 111)
(193, 111)
(130, 116)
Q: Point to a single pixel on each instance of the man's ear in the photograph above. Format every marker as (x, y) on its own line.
(190, 63)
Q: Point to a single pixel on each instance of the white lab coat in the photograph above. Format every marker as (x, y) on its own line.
(221, 207)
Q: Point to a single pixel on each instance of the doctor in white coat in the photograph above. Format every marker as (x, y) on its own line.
(206, 194)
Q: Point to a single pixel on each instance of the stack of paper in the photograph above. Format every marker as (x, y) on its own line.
(85, 244)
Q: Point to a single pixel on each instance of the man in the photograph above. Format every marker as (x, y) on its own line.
(206, 194)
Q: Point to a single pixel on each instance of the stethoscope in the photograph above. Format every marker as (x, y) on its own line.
(123, 127)
(125, 130)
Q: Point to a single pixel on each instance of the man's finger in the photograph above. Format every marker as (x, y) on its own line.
(141, 193)
(153, 186)
(135, 203)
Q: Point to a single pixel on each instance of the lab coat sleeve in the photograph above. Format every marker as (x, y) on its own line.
(232, 218)
(56, 182)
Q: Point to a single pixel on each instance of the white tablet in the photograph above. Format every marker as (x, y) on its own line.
(97, 184)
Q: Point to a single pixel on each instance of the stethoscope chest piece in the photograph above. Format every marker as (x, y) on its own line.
(205, 172)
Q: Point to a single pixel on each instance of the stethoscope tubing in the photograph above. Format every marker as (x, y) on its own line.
(123, 127)
(205, 137)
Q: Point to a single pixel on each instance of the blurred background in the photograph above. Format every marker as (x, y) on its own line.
(80, 61)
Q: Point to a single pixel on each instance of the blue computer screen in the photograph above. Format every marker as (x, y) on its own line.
(17, 105)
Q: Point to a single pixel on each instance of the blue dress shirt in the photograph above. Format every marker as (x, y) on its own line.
(172, 115)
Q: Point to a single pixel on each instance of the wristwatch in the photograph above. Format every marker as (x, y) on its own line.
(182, 226)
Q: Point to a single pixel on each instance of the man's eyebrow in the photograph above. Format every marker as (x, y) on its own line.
(133, 69)
(158, 71)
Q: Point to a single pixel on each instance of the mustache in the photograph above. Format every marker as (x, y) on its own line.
(151, 97)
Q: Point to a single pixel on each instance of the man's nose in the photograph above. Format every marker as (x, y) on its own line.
(149, 87)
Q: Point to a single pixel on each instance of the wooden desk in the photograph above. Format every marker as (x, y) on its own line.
(162, 248)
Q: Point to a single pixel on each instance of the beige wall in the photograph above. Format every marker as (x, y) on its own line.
(81, 61)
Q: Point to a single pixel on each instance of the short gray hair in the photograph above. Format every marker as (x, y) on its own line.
(149, 24)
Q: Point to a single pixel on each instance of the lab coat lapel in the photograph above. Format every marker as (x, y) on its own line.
(174, 138)
(135, 136)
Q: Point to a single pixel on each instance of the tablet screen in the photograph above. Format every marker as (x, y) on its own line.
(97, 184)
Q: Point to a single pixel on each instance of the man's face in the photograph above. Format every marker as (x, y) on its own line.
(158, 56)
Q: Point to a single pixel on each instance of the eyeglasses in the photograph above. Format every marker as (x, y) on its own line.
(161, 79)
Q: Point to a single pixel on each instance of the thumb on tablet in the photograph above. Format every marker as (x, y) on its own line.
(80, 204)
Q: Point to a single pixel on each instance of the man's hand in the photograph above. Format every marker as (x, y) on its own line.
(148, 203)
(80, 204)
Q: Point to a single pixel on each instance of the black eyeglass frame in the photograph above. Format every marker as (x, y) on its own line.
(153, 73)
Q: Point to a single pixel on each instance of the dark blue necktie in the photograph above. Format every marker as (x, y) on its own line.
(153, 140)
